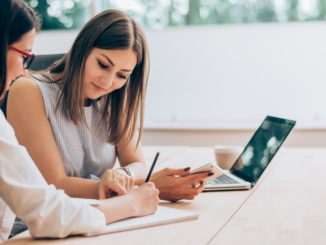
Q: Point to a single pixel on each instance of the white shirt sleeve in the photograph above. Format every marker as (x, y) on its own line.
(46, 211)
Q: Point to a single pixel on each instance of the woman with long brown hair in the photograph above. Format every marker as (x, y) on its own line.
(87, 110)
(47, 212)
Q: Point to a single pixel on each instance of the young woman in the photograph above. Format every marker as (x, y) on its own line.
(87, 110)
(47, 212)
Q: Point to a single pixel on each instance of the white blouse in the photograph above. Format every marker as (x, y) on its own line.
(23, 191)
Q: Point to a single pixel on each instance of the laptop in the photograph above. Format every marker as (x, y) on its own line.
(256, 156)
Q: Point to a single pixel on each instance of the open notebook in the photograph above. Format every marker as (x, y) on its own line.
(163, 215)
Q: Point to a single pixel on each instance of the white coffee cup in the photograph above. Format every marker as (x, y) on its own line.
(226, 155)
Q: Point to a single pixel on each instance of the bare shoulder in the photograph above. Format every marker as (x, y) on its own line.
(24, 85)
(25, 92)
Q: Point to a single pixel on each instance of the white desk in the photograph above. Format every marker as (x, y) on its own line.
(286, 207)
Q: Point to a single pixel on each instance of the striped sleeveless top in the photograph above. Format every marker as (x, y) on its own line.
(84, 149)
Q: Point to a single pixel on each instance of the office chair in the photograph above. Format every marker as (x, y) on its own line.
(39, 63)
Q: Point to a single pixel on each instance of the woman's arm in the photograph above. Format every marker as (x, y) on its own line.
(26, 113)
(142, 200)
(47, 212)
(173, 184)
(130, 155)
(51, 213)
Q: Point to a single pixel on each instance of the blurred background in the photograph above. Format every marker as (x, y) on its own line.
(72, 14)
(218, 67)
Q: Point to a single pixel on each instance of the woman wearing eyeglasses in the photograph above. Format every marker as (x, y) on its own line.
(23, 191)
(27, 57)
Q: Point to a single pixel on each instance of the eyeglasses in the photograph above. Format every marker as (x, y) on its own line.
(27, 58)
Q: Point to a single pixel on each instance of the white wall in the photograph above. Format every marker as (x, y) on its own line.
(232, 76)
(229, 77)
(240, 137)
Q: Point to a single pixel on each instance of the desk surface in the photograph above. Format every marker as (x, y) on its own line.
(285, 207)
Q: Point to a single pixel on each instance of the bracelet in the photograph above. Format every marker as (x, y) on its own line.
(127, 171)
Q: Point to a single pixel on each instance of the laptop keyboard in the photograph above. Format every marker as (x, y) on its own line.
(223, 179)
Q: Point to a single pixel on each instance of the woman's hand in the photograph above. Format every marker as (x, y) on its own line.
(114, 182)
(145, 199)
(140, 201)
(177, 184)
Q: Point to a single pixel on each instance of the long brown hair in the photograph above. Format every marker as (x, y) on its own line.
(111, 29)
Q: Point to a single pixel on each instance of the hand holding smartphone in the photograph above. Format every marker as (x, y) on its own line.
(209, 167)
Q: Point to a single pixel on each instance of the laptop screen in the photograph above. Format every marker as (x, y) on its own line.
(261, 148)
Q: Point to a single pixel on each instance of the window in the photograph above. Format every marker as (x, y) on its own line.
(158, 14)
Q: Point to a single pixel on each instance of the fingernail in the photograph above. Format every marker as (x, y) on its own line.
(186, 169)
(210, 174)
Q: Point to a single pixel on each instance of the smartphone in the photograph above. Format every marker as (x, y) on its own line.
(209, 167)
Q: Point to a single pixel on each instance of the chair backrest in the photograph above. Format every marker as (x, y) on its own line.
(40, 62)
(43, 61)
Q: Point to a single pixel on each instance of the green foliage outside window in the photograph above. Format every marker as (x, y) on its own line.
(158, 14)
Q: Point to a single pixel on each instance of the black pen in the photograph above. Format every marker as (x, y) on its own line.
(152, 167)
